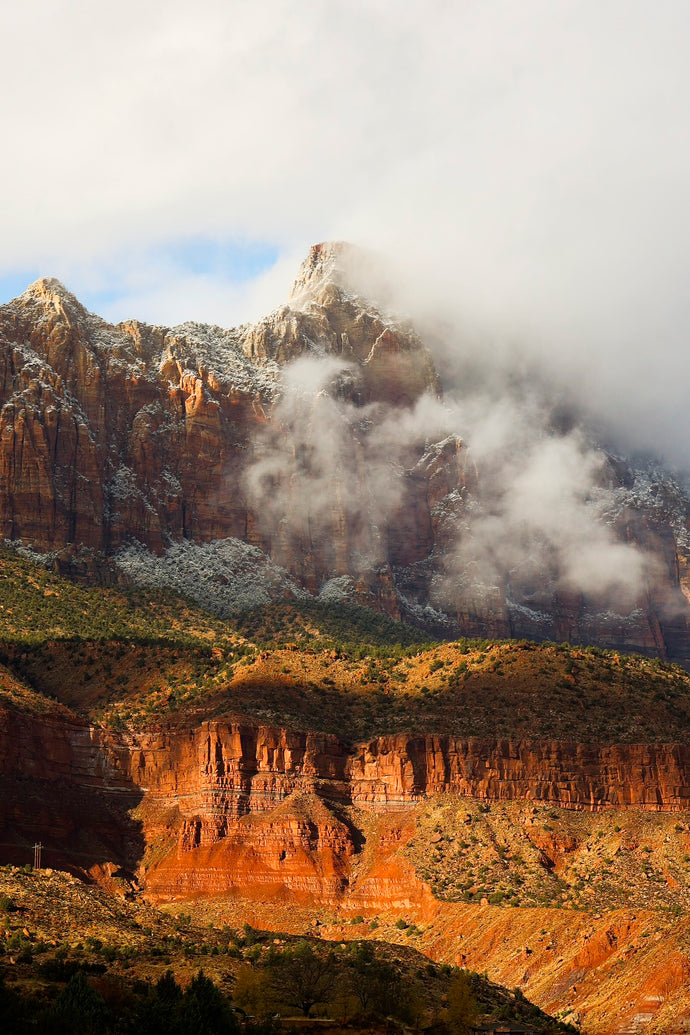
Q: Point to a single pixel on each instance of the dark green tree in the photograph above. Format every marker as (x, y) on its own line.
(167, 988)
(204, 1010)
(78, 1008)
(303, 978)
(373, 982)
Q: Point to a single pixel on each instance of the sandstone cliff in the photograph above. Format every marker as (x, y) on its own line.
(286, 827)
(239, 804)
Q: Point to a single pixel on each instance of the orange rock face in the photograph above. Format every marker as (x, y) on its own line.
(105, 437)
(275, 819)
(262, 806)
(239, 805)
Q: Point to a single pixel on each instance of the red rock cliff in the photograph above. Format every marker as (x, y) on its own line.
(239, 805)
(232, 769)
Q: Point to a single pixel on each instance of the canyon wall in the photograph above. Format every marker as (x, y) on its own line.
(263, 814)
(230, 769)
(260, 809)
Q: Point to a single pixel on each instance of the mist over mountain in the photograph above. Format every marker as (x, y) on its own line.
(525, 168)
(318, 451)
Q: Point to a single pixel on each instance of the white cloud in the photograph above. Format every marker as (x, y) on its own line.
(527, 165)
(539, 515)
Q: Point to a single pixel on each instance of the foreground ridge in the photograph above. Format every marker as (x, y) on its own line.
(506, 807)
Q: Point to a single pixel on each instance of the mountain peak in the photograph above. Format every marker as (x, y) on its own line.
(44, 284)
(50, 289)
(51, 294)
(330, 263)
(326, 263)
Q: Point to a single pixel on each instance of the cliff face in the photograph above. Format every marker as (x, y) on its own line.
(62, 783)
(261, 809)
(283, 824)
(110, 435)
(231, 769)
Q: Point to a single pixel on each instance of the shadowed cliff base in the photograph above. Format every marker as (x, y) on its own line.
(61, 786)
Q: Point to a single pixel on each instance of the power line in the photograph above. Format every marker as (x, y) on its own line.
(62, 852)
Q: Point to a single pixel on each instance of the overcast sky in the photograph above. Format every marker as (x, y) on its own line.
(526, 164)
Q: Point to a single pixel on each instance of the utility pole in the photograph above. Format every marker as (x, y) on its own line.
(37, 855)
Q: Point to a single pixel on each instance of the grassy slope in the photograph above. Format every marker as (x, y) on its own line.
(144, 658)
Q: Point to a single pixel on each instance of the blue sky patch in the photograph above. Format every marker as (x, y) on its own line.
(13, 284)
(103, 283)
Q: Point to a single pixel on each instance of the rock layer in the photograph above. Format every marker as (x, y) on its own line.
(230, 769)
(239, 805)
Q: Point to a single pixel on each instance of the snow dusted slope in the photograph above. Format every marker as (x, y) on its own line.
(225, 576)
(194, 348)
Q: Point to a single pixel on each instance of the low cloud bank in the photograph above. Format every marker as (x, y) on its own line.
(536, 509)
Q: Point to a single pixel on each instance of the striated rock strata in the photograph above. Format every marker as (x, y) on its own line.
(263, 810)
(230, 769)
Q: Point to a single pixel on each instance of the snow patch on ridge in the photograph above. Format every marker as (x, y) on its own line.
(197, 346)
(225, 576)
(528, 614)
(339, 590)
(429, 618)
